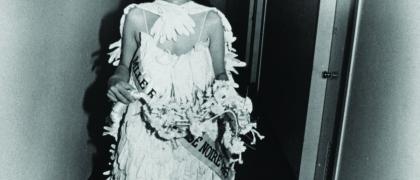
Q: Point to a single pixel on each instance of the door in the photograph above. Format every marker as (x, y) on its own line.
(279, 51)
(283, 88)
(327, 88)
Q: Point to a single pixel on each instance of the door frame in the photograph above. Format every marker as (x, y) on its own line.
(326, 100)
(317, 90)
(255, 43)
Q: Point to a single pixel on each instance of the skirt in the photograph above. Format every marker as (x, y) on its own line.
(140, 155)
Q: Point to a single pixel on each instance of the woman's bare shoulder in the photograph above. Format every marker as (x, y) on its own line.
(135, 17)
(213, 18)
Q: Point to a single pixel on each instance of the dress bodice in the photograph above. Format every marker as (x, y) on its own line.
(162, 65)
(174, 75)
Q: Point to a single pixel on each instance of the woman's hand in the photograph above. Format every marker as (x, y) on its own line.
(118, 88)
(119, 91)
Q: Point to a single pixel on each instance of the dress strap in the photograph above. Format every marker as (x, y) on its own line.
(202, 26)
(145, 21)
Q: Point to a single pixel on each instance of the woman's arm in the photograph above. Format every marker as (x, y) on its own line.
(118, 82)
(215, 31)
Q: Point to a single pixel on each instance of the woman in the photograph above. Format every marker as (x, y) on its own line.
(180, 115)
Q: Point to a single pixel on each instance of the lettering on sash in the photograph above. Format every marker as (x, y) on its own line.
(203, 148)
(140, 81)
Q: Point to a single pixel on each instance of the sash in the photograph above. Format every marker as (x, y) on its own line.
(202, 147)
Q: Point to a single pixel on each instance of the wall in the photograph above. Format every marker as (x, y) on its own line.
(46, 68)
(380, 138)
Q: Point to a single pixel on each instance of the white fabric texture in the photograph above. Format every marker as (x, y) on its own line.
(140, 155)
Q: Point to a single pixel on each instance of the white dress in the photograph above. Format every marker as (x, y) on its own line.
(140, 154)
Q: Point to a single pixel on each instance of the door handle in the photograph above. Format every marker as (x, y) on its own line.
(329, 75)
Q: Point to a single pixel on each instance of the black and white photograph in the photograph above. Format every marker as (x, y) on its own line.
(210, 90)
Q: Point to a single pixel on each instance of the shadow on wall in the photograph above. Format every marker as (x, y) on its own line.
(95, 103)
